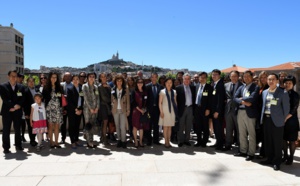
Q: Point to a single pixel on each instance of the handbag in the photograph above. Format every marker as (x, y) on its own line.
(64, 101)
(145, 118)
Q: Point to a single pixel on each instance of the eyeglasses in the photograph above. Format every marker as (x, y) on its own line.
(42, 78)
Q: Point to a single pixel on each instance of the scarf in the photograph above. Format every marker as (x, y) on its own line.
(171, 100)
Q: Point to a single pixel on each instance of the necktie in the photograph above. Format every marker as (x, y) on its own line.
(199, 96)
(154, 91)
(232, 89)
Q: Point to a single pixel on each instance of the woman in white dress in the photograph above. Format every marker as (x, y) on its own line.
(168, 110)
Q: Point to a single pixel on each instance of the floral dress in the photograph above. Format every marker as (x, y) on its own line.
(53, 109)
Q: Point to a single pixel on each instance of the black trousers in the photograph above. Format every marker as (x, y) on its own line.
(218, 130)
(74, 123)
(201, 125)
(7, 119)
(63, 128)
(31, 136)
(273, 137)
(153, 125)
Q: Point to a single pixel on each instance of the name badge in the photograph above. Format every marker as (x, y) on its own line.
(214, 92)
(145, 97)
(112, 92)
(247, 94)
(273, 102)
(80, 94)
(205, 94)
(58, 94)
(19, 94)
(96, 92)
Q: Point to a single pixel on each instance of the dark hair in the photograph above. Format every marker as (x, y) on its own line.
(236, 72)
(136, 82)
(75, 75)
(154, 73)
(91, 73)
(273, 74)
(38, 95)
(30, 77)
(290, 78)
(203, 73)
(20, 75)
(9, 72)
(42, 74)
(216, 71)
(99, 77)
(123, 81)
(57, 83)
(249, 72)
(161, 77)
(81, 73)
(167, 79)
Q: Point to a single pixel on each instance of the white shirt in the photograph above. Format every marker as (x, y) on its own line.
(119, 95)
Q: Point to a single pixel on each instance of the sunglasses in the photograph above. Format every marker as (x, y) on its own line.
(42, 78)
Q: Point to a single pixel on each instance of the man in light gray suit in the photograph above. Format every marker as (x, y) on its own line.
(230, 110)
(275, 109)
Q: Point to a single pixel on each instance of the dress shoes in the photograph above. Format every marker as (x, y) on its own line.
(214, 146)
(240, 154)
(289, 161)
(124, 145)
(119, 144)
(197, 144)
(226, 148)
(276, 167)
(249, 158)
(187, 143)
(219, 148)
(19, 148)
(203, 145)
(265, 162)
(6, 151)
(180, 144)
(33, 143)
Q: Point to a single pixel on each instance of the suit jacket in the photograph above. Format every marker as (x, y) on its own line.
(10, 98)
(181, 98)
(125, 101)
(72, 99)
(252, 111)
(205, 100)
(29, 100)
(279, 111)
(150, 100)
(230, 104)
(218, 98)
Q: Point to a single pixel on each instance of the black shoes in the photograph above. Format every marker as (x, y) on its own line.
(266, 162)
(33, 143)
(249, 158)
(180, 144)
(119, 144)
(187, 143)
(226, 148)
(240, 154)
(276, 167)
(197, 144)
(124, 145)
(19, 148)
(6, 151)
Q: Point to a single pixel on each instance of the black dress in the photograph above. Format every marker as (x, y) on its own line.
(291, 127)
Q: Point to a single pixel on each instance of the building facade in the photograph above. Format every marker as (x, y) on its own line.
(11, 51)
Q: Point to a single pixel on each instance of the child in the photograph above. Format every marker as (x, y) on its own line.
(38, 119)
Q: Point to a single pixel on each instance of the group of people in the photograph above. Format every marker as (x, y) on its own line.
(242, 111)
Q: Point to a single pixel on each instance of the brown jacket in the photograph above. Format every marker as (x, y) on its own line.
(125, 101)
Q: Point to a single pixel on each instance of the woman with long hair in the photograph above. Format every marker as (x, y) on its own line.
(52, 94)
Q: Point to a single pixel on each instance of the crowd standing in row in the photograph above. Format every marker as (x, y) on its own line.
(255, 110)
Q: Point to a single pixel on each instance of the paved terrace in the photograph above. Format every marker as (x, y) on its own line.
(144, 166)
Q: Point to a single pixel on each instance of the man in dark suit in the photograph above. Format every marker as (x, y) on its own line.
(12, 95)
(231, 110)
(153, 90)
(247, 98)
(186, 95)
(30, 91)
(202, 110)
(217, 107)
(275, 109)
(66, 84)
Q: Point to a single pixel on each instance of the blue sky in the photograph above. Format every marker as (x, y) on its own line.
(194, 34)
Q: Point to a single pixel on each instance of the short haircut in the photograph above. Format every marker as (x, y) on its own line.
(203, 73)
(11, 71)
(248, 72)
(273, 74)
(154, 73)
(216, 71)
(91, 73)
(167, 79)
(75, 75)
(290, 78)
(186, 74)
(236, 72)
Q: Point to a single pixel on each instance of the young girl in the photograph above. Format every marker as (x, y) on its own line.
(38, 119)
